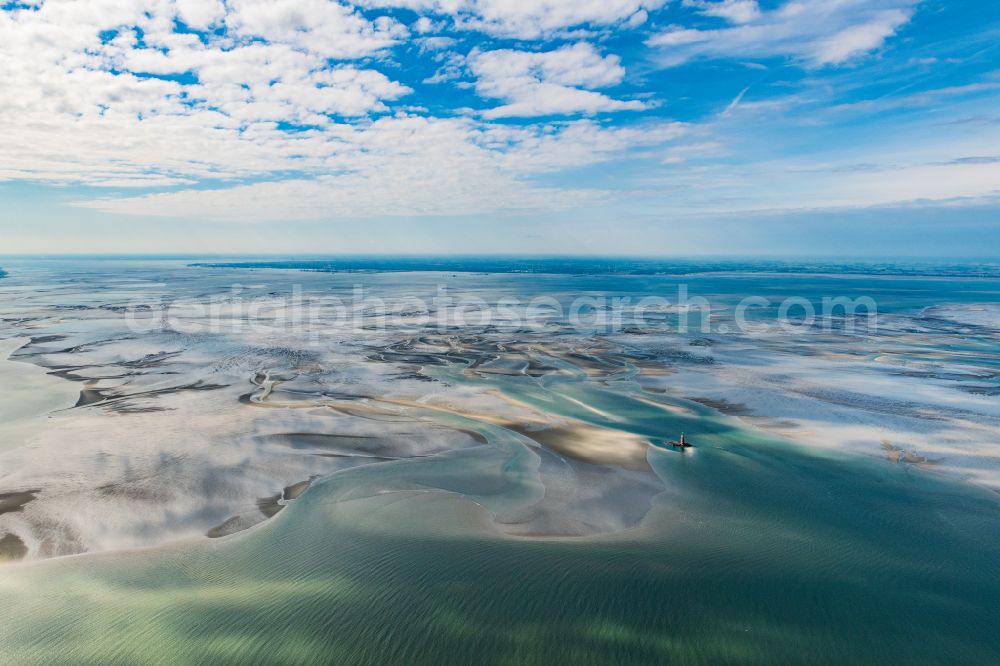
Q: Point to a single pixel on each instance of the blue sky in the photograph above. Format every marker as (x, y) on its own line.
(475, 126)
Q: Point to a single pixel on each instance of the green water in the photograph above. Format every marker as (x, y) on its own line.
(757, 551)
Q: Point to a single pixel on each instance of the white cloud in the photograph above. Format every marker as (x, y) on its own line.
(693, 151)
(545, 99)
(530, 19)
(261, 81)
(815, 32)
(734, 11)
(413, 166)
(86, 99)
(200, 14)
(550, 82)
(885, 185)
(108, 94)
(424, 25)
(586, 142)
(891, 171)
(324, 27)
(296, 98)
(392, 192)
(857, 39)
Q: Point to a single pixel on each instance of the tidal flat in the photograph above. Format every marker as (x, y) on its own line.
(191, 468)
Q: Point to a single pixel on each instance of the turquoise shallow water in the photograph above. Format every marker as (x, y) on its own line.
(757, 550)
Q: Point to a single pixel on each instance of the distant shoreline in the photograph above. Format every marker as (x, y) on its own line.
(615, 266)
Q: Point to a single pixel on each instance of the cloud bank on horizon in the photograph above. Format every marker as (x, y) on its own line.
(258, 110)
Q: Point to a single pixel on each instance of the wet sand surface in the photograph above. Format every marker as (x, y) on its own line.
(384, 495)
(15, 501)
